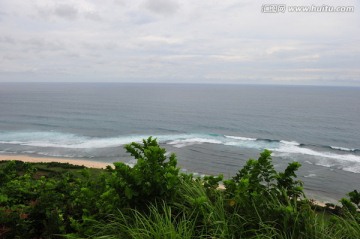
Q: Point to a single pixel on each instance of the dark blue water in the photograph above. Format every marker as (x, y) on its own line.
(212, 128)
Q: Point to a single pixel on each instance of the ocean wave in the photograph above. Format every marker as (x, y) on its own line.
(59, 155)
(353, 169)
(72, 141)
(344, 149)
(240, 138)
(192, 141)
(290, 142)
(294, 149)
(53, 139)
(63, 140)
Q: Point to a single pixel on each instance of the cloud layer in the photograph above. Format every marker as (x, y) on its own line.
(178, 41)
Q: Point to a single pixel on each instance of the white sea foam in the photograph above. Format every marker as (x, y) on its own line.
(353, 169)
(311, 175)
(84, 143)
(246, 144)
(71, 141)
(290, 142)
(293, 149)
(192, 141)
(29, 152)
(64, 140)
(342, 149)
(60, 155)
(326, 164)
(53, 139)
(239, 138)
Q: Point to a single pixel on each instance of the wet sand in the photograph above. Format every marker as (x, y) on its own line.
(30, 159)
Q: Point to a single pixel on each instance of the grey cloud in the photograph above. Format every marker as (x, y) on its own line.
(162, 7)
(139, 19)
(66, 11)
(2, 14)
(7, 39)
(98, 47)
(38, 45)
(93, 16)
(120, 2)
(199, 41)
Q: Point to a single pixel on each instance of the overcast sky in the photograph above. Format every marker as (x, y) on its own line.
(192, 41)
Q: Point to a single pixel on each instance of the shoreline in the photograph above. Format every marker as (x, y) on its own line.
(33, 159)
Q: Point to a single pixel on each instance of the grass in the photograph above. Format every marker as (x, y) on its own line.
(159, 222)
(247, 208)
(200, 213)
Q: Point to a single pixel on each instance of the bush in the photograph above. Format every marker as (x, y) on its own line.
(259, 180)
(155, 176)
(153, 200)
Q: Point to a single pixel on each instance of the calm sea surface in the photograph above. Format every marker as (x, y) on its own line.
(212, 128)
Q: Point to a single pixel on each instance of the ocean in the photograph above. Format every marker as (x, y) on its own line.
(213, 129)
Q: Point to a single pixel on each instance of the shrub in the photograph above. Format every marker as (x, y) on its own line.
(154, 176)
(258, 179)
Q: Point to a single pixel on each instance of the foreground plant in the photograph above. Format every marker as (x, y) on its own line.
(153, 200)
(155, 176)
(258, 179)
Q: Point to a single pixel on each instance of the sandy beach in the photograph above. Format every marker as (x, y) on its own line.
(26, 158)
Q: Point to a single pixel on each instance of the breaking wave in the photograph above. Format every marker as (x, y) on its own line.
(344, 149)
(37, 140)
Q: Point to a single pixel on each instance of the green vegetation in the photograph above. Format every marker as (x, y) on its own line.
(154, 200)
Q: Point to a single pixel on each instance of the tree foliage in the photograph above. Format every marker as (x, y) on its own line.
(154, 176)
(140, 201)
(258, 178)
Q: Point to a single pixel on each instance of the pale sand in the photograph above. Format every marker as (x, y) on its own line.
(25, 158)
